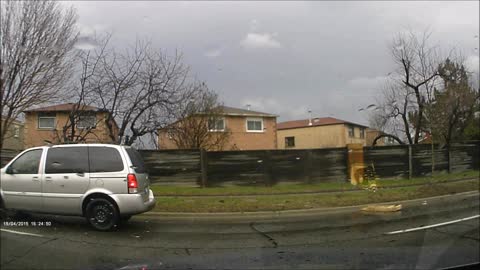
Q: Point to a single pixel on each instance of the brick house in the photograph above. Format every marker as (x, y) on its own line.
(249, 130)
(319, 133)
(47, 123)
(14, 136)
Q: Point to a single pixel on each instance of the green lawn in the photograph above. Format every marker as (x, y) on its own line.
(160, 190)
(305, 201)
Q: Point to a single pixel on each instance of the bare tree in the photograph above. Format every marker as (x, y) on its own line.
(392, 113)
(138, 88)
(417, 71)
(82, 118)
(199, 124)
(36, 39)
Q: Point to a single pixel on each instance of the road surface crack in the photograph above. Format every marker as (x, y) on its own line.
(28, 251)
(270, 239)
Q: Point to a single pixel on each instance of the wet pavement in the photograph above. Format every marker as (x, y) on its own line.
(344, 240)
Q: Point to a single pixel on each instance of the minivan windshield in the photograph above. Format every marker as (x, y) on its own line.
(137, 160)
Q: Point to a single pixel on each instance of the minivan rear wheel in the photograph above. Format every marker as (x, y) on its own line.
(102, 214)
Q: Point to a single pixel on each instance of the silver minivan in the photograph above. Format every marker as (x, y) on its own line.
(104, 183)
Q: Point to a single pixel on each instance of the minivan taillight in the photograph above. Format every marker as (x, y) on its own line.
(132, 183)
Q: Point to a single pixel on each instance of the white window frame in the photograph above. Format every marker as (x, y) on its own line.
(88, 115)
(47, 117)
(16, 131)
(217, 130)
(254, 119)
(353, 131)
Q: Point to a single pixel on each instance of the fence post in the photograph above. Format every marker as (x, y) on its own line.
(307, 165)
(204, 166)
(410, 163)
(356, 162)
(267, 168)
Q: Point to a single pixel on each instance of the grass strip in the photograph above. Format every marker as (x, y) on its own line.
(306, 201)
(163, 190)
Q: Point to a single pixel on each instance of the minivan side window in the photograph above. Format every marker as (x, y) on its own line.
(27, 163)
(104, 159)
(137, 160)
(67, 160)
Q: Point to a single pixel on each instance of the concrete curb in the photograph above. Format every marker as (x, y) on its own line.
(300, 213)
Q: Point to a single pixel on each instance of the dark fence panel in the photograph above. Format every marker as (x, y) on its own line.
(6, 155)
(422, 159)
(465, 156)
(288, 166)
(329, 165)
(270, 167)
(388, 161)
(236, 167)
(173, 166)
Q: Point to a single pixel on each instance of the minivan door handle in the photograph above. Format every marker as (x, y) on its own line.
(48, 178)
(81, 174)
(35, 178)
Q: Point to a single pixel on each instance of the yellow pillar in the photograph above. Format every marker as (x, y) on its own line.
(356, 164)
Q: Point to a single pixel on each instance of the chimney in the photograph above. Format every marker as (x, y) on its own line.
(248, 107)
(309, 117)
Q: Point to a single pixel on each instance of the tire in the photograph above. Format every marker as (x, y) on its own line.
(102, 214)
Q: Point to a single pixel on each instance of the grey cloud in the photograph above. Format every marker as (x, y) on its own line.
(326, 56)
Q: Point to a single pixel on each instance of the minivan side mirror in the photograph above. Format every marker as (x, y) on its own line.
(9, 170)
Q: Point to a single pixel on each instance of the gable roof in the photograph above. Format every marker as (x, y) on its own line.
(242, 112)
(324, 121)
(66, 107)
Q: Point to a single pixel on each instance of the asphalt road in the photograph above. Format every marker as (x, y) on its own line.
(343, 239)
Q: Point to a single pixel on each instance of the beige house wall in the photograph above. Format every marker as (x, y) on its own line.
(319, 137)
(372, 134)
(14, 137)
(240, 138)
(35, 136)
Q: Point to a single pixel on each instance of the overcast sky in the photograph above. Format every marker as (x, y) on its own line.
(287, 57)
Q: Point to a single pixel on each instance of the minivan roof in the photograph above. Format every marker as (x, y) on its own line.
(89, 144)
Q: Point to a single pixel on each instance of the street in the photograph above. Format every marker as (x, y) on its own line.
(346, 239)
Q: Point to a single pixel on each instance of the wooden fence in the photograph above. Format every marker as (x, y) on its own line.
(262, 167)
(270, 167)
(403, 161)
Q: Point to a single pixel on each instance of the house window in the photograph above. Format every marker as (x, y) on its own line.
(217, 124)
(87, 121)
(46, 120)
(289, 142)
(362, 133)
(351, 132)
(254, 125)
(16, 132)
